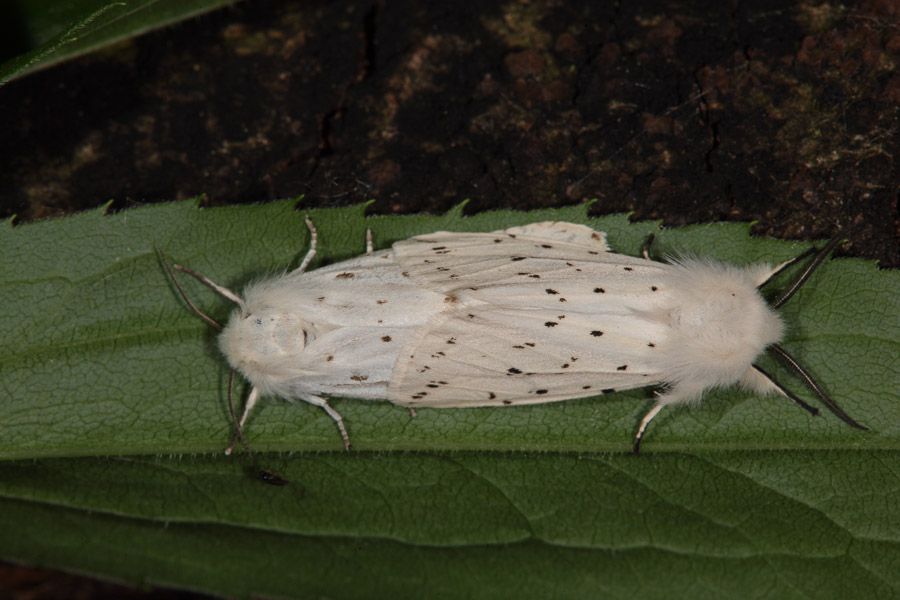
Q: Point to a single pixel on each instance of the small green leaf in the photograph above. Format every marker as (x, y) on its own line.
(113, 418)
(63, 29)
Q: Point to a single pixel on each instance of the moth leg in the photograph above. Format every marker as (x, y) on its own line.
(648, 243)
(412, 413)
(368, 241)
(251, 402)
(644, 422)
(673, 395)
(321, 402)
(313, 238)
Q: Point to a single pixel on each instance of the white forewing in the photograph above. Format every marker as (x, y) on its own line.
(335, 331)
(446, 261)
(496, 355)
(365, 291)
(538, 314)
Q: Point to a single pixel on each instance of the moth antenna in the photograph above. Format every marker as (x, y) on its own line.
(791, 362)
(816, 262)
(789, 394)
(224, 292)
(237, 433)
(187, 300)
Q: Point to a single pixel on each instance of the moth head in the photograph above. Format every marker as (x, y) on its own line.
(264, 337)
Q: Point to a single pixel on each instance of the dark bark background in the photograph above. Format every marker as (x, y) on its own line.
(784, 113)
(776, 112)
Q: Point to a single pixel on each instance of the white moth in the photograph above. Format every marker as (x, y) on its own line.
(533, 314)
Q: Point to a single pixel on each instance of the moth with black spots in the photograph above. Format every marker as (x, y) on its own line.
(533, 314)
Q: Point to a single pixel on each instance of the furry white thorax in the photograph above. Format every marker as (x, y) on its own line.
(718, 324)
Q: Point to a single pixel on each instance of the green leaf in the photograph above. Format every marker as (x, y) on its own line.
(113, 419)
(62, 29)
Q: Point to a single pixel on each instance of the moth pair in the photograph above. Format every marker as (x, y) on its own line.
(527, 315)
